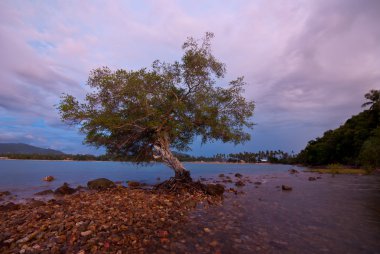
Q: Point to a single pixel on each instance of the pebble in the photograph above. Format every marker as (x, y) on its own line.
(78, 222)
(207, 230)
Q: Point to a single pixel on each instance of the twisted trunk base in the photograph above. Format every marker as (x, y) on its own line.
(162, 151)
(182, 181)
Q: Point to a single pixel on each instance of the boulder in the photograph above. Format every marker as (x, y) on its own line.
(238, 175)
(36, 203)
(286, 188)
(9, 207)
(100, 184)
(64, 190)
(293, 171)
(45, 192)
(312, 178)
(214, 189)
(48, 178)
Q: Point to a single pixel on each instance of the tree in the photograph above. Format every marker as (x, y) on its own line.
(144, 114)
(370, 152)
(344, 144)
(373, 98)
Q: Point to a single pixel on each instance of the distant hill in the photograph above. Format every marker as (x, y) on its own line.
(344, 145)
(19, 148)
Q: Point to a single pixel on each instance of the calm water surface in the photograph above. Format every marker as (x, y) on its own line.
(338, 214)
(24, 177)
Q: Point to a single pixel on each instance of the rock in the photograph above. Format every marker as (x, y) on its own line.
(257, 183)
(45, 192)
(100, 184)
(214, 243)
(293, 171)
(286, 188)
(221, 175)
(239, 184)
(312, 178)
(36, 203)
(10, 240)
(238, 175)
(64, 190)
(191, 204)
(9, 207)
(86, 233)
(48, 178)
(4, 193)
(163, 233)
(214, 189)
(133, 184)
(207, 230)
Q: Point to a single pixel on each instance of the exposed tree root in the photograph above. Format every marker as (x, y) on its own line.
(187, 185)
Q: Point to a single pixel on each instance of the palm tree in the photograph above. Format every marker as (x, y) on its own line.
(374, 99)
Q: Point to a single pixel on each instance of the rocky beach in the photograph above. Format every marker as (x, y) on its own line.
(255, 215)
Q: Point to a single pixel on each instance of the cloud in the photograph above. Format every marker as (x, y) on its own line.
(307, 64)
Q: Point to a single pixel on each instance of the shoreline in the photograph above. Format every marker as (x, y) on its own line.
(192, 162)
(129, 220)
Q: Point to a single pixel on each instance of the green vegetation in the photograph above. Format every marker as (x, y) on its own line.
(356, 143)
(249, 157)
(352, 171)
(144, 114)
(337, 168)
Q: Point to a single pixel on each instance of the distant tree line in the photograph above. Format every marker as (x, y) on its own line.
(356, 143)
(249, 157)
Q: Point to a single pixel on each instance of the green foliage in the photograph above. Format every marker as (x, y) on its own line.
(335, 166)
(344, 144)
(354, 171)
(373, 98)
(370, 153)
(129, 111)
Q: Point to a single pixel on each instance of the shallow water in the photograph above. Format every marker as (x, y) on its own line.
(24, 177)
(338, 214)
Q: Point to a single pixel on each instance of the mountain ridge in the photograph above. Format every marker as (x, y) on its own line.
(21, 148)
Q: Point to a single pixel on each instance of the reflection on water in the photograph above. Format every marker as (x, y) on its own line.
(338, 214)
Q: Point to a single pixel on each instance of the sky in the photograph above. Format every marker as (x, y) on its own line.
(307, 64)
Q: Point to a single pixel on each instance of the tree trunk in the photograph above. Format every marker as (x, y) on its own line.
(163, 151)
